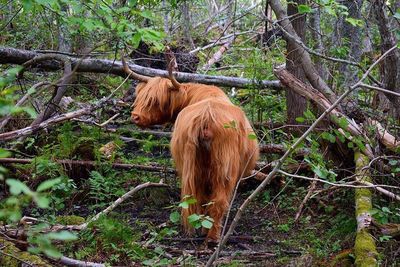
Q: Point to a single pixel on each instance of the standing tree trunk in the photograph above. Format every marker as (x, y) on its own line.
(353, 37)
(316, 34)
(390, 68)
(166, 17)
(295, 103)
(187, 23)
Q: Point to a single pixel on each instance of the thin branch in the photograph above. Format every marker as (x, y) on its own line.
(120, 200)
(77, 263)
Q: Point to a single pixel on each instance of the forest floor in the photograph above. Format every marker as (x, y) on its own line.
(140, 230)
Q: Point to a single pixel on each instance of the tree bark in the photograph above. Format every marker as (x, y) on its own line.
(18, 56)
(390, 68)
(353, 36)
(187, 23)
(316, 33)
(304, 57)
(295, 103)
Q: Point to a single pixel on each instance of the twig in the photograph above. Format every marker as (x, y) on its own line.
(381, 190)
(77, 263)
(349, 185)
(120, 200)
(108, 121)
(306, 198)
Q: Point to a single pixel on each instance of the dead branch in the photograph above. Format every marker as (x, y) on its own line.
(77, 263)
(68, 162)
(57, 119)
(218, 55)
(306, 198)
(381, 190)
(18, 56)
(122, 199)
(60, 90)
(291, 82)
(385, 137)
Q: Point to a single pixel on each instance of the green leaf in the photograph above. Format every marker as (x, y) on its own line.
(343, 123)
(48, 184)
(184, 205)
(397, 14)
(354, 22)
(17, 187)
(4, 153)
(304, 9)
(135, 40)
(328, 136)
(62, 235)
(320, 172)
(193, 218)
(207, 224)
(42, 201)
(300, 119)
(252, 136)
(52, 253)
(174, 217)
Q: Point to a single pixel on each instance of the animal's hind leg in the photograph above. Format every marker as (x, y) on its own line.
(216, 211)
(220, 198)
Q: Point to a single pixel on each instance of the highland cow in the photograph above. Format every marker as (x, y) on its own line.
(210, 143)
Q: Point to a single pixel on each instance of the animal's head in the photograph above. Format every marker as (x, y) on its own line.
(158, 100)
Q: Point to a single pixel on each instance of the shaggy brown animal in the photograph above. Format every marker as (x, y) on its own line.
(210, 143)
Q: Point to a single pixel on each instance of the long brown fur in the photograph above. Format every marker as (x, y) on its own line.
(210, 142)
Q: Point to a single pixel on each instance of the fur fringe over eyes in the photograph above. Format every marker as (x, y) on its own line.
(210, 143)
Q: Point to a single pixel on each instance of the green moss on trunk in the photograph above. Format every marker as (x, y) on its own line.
(24, 256)
(364, 247)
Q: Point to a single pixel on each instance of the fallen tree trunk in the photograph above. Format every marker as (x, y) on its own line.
(10, 55)
(364, 246)
(387, 139)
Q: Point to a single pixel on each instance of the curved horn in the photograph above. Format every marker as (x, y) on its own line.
(171, 65)
(128, 71)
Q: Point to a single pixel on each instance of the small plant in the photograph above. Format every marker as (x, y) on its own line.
(196, 220)
(22, 195)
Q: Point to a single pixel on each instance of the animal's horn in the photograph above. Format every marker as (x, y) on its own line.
(172, 65)
(128, 71)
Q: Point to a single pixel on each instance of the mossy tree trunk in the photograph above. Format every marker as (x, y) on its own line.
(364, 247)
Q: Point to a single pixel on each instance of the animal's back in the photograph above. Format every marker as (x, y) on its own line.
(211, 149)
